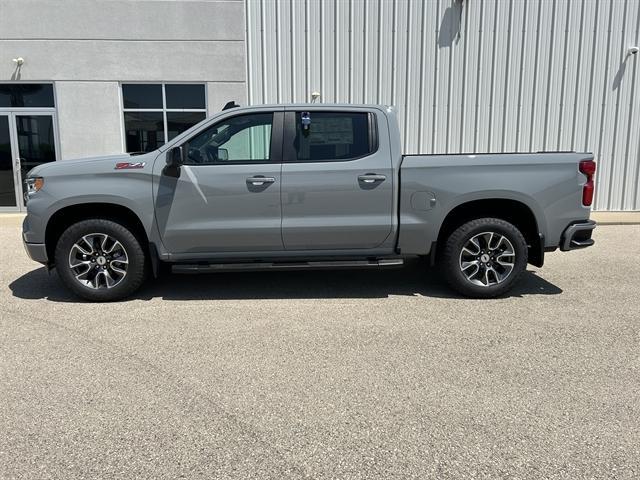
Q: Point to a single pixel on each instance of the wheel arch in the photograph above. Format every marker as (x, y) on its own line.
(66, 216)
(513, 211)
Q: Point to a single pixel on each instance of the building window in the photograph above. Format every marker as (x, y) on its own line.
(29, 95)
(155, 113)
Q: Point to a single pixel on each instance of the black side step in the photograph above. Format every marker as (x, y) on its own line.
(257, 266)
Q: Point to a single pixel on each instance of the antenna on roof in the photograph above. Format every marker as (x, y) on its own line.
(231, 104)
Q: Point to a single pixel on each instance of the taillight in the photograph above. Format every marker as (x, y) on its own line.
(588, 167)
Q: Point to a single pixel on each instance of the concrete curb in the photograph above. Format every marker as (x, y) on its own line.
(616, 218)
(10, 219)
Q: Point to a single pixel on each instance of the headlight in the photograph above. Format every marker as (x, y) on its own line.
(33, 184)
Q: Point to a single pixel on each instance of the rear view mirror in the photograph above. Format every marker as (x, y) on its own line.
(305, 119)
(174, 160)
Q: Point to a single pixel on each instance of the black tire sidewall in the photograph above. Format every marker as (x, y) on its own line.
(137, 260)
(461, 236)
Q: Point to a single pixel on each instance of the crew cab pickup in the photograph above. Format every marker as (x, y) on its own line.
(303, 186)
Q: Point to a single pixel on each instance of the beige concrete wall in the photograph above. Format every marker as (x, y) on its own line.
(89, 118)
(87, 48)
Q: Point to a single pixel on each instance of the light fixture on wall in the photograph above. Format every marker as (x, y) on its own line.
(18, 61)
(632, 50)
(315, 96)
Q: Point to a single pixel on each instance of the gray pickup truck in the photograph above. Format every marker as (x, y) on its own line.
(303, 186)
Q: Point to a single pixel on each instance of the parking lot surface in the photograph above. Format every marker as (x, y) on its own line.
(346, 374)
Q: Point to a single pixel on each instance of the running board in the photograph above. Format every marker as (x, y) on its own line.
(256, 266)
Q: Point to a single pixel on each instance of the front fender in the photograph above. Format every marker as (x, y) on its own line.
(131, 190)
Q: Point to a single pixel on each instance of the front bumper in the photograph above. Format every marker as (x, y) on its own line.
(577, 235)
(37, 252)
(32, 240)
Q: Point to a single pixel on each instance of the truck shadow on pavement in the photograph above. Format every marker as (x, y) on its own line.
(412, 280)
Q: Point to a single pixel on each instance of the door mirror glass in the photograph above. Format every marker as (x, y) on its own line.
(223, 154)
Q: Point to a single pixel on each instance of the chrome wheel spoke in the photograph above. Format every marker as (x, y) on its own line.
(80, 275)
(496, 276)
(472, 247)
(470, 268)
(118, 270)
(97, 280)
(505, 264)
(115, 246)
(81, 263)
(109, 279)
(466, 265)
(103, 243)
(83, 250)
(488, 238)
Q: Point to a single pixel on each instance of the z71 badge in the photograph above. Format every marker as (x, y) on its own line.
(129, 165)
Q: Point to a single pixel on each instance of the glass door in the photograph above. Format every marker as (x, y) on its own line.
(26, 141)
(36, 141)
(9, 191)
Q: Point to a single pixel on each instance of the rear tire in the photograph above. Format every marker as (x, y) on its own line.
(484, 258)
(100, 260)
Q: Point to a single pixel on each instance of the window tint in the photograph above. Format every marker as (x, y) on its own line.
(144, 131)
(330, 136)
(184, 96)
(178, 122)
(139, 95)
(26, 95)
(245, 138)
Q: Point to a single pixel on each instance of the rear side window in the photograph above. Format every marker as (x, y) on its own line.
(333, 136)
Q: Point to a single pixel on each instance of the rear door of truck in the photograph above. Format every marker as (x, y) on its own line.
(337, 180)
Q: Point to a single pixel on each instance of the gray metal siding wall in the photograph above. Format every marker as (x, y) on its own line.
(476, 76)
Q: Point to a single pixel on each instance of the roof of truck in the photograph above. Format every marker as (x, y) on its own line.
(315, 105)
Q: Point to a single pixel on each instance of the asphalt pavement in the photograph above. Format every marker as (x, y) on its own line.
(328, 375)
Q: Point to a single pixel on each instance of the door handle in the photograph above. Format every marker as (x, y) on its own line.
(371, 178)
(260, 180)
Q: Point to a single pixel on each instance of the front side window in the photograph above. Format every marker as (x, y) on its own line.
(241, 139)
(332, 136)
(155, 113)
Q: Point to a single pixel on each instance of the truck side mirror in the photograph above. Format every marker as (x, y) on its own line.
(174, 160)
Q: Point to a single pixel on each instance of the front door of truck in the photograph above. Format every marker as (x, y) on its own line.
(337, 181)
(227, 195)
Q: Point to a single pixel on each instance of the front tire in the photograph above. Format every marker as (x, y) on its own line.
(100, 260)
(484, 258)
